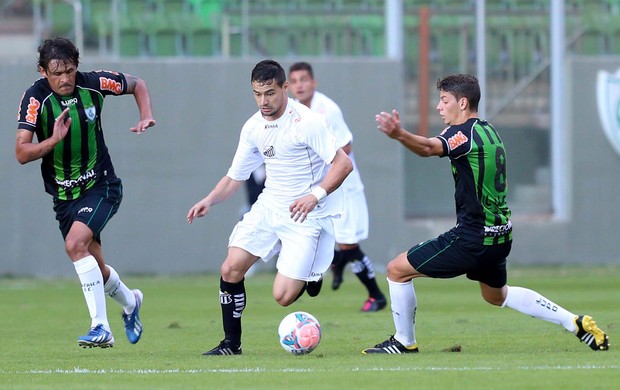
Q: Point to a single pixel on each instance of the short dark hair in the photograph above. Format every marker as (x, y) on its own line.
(268, 70)
(462, 85)
(301, 66)
(60, 49)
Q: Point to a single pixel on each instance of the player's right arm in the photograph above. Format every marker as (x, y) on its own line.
(389, 124)
(26, 150)
(222, 191)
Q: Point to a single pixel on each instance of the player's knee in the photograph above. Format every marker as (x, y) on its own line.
(393, 271)
(231, 273)
(75, 248)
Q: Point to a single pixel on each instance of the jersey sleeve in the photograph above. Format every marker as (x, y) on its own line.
(320, 138)
(456, 141)
(247, 157)
(30, 109)
(106, 82)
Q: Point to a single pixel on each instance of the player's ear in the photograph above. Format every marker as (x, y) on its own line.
(463, 103)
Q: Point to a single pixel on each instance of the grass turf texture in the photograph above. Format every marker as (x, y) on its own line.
(501, 348)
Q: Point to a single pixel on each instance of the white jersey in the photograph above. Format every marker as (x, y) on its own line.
(297, 150)
(322, 104)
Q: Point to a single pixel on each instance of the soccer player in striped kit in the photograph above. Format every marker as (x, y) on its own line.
(63, 108)
(480, 243)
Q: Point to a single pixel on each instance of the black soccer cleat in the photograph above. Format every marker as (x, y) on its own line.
(374, 304)
(589, 333)
(225, 347)
(391, 345)
(314, 288)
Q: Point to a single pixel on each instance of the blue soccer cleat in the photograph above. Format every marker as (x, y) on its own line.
(133, 325)
(97, 337)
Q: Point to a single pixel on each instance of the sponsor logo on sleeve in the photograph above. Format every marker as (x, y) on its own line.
(457, 140)
(608, 102)
(33, 111)
(106, 84)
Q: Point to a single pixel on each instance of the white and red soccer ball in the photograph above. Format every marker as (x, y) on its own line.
(299, 333)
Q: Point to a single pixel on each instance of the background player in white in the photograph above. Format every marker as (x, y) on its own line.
(293, 214)
(353, 226)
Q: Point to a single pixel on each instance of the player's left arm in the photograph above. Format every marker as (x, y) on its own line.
(138, 88)
(339, 169)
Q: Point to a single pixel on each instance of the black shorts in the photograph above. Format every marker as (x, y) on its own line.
(94, 208)
(451, 255)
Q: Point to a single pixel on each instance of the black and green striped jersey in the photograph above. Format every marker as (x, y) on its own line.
(81, 159)
(478, 159)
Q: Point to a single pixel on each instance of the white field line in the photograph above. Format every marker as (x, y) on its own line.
(146, 371)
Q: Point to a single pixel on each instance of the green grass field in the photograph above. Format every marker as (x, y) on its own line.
(501, 349)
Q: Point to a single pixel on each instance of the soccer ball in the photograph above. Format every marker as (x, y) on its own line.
(299, 333)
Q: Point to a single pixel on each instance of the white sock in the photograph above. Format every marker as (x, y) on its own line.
(533, 304)
(118, 291)
(404, 304)
(92, 286)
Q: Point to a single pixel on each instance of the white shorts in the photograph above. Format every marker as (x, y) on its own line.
(305, 249)
(352, 226)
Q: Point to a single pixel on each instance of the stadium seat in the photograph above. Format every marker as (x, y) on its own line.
(98, 21)
(164, 35)
(201, 38)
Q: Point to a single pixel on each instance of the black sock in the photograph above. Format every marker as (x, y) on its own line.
(232, 300)
(362, 267)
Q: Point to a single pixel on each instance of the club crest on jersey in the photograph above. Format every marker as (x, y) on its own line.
(269, 152)
(91, 113)
(608, 103)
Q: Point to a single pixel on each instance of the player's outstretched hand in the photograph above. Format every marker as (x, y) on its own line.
(143, 125)
(200, 209)
(388, 123)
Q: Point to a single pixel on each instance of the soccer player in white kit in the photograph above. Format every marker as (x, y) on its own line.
(352, 227)
(293, 215)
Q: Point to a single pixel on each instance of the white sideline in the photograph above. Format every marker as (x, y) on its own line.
(78, 370)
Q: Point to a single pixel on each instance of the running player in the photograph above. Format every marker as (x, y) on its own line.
(352, 227)
(293, 214)
(63, 108)
(481, 240)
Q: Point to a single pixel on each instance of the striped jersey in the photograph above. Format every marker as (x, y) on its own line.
(81, 159)
(478, 159)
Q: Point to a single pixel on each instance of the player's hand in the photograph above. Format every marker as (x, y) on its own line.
(388, 123)
(302, 207)
(200, 209)
(143, 125)
(61, 126)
